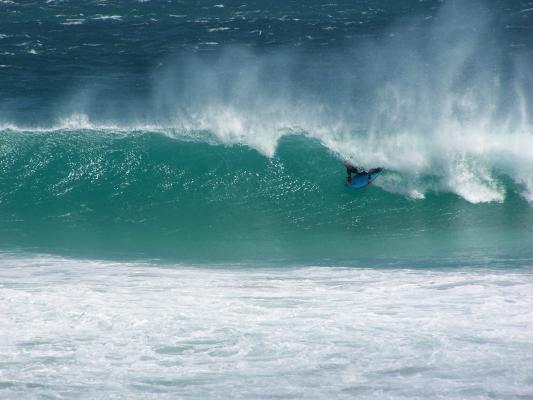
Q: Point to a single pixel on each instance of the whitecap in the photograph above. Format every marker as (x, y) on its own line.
(221, 29)
(108, 17)
(355, 329)
(74, 21)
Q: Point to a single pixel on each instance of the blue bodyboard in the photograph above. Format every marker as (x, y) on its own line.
(364, 179)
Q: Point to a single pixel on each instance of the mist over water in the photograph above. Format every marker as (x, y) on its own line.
(442, 100)
(439, 101)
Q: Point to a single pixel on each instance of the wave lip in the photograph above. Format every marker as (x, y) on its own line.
(471, 167)
(162, 195)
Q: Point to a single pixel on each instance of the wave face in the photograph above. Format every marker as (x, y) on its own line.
(230, 144)
(149, 195)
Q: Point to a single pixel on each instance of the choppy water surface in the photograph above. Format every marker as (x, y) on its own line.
(90, 329)
(173, 220)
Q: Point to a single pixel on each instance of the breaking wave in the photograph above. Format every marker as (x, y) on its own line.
(242, 149)
(442, 100)
(152, 194)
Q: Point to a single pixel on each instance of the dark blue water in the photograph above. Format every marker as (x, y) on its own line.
(51, 51)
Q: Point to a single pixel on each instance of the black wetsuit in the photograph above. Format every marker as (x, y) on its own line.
(351, 169)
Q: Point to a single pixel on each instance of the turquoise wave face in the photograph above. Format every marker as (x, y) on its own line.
(144, 194)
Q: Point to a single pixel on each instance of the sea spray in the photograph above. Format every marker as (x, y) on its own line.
(439, 99)
(240, 148)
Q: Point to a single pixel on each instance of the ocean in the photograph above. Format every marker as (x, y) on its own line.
(173, 216)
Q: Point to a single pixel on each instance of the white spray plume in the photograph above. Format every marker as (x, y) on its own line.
(441, 99)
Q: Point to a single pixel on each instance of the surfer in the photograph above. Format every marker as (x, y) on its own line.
(352, 169)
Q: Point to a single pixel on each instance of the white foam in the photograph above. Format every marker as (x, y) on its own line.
(81, 121)
(74, 21)
(136, 330)
(220, 29)
(474, 184)
(108, 17)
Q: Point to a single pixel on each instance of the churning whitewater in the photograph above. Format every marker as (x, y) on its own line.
(92, 329)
